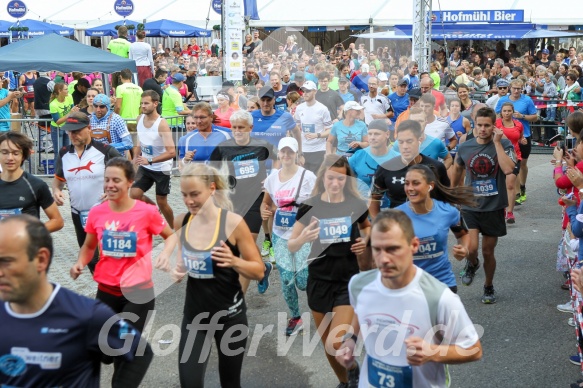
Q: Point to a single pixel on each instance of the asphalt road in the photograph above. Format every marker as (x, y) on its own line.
(526, 341)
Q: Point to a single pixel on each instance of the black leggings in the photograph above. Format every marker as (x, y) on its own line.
(196, 344)
(119, 304)
(80, 232)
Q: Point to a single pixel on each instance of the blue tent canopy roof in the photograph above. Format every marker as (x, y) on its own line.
(62, 54)
(109, 28)
(35, 28)
(164, 27)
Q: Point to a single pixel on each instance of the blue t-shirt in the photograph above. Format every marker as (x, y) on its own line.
(204, 146)
(431, 147)
(364, 164)
(346, 135)
(4, 112)
(413, 81)
(523, 105)
(272, 128)
(432, 229)
(346, 97)
(399, 104)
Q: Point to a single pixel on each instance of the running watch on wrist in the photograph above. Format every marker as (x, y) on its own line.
(150, 161)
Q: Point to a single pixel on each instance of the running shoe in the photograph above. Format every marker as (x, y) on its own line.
(265, 248)
(521, 199)
(263, 284)
(575, 359)
(354, 376)
(271, 256)
(565, 308)
(489, 296)
(566, 285)
(294, 326)
(571, 322)
(342, 385)
(510, 218)
(517, 201)
(469, 272)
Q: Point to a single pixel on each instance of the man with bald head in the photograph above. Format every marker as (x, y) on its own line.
(427, 87)
(57, 337)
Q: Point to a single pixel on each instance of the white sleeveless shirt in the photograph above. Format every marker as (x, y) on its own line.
(152, 145)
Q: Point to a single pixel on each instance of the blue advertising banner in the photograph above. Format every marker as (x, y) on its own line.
(490, 16)
(16, 9)
(217, 6)
(123, 8)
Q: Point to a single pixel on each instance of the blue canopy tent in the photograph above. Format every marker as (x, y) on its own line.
(35, 28)
(109, 29)
(473, 31)
(53, 52)
(168, 28)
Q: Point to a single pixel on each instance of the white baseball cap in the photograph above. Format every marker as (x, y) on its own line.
(352, 105)
(309, 85)
(288, 142)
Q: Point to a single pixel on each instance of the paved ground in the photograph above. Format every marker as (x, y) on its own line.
(526, 340)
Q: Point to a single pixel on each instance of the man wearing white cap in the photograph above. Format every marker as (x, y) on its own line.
(314, 119)
(349, 135)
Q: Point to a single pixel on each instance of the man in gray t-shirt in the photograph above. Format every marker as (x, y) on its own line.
(487, 159)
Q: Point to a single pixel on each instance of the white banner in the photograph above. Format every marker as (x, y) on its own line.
(234, 25)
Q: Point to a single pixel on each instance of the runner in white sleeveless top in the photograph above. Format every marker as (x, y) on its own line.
(154, 153)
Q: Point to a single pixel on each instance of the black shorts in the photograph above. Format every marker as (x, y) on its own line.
(323, 296)
(145, 179)
(525, 148)
(29, 99)
(492, 224)
(516, 168)
(252, 216)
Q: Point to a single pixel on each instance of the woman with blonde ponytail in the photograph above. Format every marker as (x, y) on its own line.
(215, 247)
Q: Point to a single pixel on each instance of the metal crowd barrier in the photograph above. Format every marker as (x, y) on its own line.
(41, 161)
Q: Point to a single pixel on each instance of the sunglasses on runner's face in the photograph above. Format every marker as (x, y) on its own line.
(100, 106)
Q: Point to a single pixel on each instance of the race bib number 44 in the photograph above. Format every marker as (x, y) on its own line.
(334, 230)
(119, 244)
(285, 220)
(382, 375)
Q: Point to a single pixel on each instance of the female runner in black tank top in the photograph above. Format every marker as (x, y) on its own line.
(215, 247)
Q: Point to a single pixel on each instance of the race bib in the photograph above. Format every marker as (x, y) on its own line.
(119, 244)
(30, 88)
(309, 128)
(5, 213)
(429, 248)
(246, 168)
(485, 188)
(334, 230)
(147, 150)
(381, 375)
(285, 220)
(84, 215)
(198, 264)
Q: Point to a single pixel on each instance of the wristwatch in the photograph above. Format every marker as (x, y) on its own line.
(318, 135)
(150, 161)
(347, 336)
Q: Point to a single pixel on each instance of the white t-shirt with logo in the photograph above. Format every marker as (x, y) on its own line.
(387, 317)
(283, 193)
(439, 129)
(313, 119)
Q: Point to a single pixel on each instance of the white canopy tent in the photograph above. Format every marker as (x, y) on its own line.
(305, 13)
